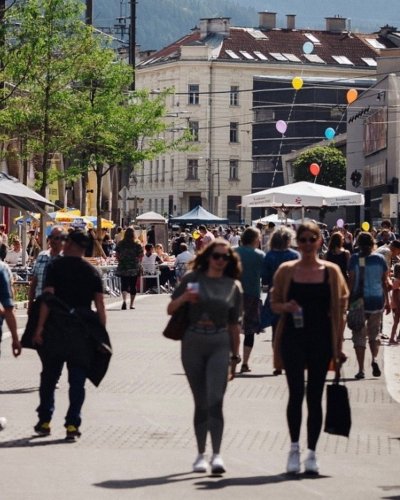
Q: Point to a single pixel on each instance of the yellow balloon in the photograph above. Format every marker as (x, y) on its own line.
(365, 226)
(196, 234)
(297, 83)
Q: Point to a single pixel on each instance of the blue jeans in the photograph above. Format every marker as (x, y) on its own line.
(49, 377)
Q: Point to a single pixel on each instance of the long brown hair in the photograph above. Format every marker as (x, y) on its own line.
(201, 262)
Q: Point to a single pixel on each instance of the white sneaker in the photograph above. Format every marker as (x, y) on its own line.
(200, 464)
(217, 464)
(293, 463)
(311, 464)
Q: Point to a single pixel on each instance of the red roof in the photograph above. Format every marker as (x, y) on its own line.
(354, 46)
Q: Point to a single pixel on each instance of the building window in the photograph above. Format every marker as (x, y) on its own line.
(234, 132)
(192, 169)
(163, 170)
(193, 94)
(234, 96)
(171, 177)
(151, 171)
(156, 205)
(233, 170)
(194, 131)
(150, 205)
(162, 207)
(157, 170)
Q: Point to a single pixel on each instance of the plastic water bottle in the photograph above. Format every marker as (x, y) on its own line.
(298, 319)
(3, 423)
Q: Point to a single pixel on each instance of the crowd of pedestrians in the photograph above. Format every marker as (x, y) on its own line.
(227, 280)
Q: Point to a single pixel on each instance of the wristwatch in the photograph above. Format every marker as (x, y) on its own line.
(236, 357)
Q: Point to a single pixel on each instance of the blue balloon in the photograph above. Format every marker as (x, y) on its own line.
(330, 133)
(308, 47)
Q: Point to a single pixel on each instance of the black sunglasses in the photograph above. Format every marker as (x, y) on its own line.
(217, 256)
(311, 239)
(58, 238)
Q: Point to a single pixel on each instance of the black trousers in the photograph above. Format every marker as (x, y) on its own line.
(298, 354)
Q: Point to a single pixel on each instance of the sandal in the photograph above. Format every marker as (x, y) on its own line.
(244, 368)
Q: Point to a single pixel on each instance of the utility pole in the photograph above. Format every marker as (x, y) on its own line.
(132, 41)
(89, 12)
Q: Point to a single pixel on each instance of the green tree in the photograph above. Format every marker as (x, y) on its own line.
(75, 99)
(53, 42)
(332, 165)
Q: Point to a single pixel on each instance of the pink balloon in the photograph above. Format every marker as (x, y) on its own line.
(340, 223)
(281, 126)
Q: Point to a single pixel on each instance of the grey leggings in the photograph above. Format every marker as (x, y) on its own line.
(205, 358)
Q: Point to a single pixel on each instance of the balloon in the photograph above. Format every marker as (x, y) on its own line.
(297, 83)
(281, 126)
(314, 169)
(365, 226)
(351, 95)
(308, 47)
(196, 234)
(330, 133)
(340, 223)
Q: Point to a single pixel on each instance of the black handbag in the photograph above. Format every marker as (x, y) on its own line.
(338, 411)
(177, 324)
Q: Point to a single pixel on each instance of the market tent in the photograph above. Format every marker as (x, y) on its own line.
(275, 219)
(16, 195)
(198, 216)
(150, 218)
(302, 194)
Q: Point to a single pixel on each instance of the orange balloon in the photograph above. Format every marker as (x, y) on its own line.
(351, 95)
(314, 169)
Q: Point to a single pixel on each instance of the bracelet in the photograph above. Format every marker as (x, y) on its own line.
(236, 357)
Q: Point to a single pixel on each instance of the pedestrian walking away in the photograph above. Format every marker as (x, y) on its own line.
(76, 283)
(252, 260)
(278, 253)
(212, 295)
(128, 253)
(369, 271)
(311, 296)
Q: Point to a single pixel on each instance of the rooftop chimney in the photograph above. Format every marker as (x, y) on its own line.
(291, 21)
(214, 25)
(336, 24)
(267, 20)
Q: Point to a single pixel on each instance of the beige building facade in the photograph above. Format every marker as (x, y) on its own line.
(212, 71)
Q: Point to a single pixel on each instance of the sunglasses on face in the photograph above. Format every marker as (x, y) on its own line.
(58, 238)
(218, 256)
(311, 239)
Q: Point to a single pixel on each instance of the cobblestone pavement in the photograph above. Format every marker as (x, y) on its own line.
(138, 439)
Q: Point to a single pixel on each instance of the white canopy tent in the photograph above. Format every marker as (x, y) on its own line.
(150, 218)
(160, 226)
(275, 218)
(303, 194)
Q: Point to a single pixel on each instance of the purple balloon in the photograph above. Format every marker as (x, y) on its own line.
(281, 126)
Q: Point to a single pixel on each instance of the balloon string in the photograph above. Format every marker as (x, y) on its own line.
(278, 158)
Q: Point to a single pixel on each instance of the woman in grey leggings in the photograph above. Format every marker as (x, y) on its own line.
(213, 297)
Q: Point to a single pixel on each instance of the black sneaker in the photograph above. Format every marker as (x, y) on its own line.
(123, 308)
(376, 372)
(72, 433)
(42, 429)
(359, 375)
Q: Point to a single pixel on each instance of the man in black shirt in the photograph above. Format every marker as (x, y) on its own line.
(77, 283)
